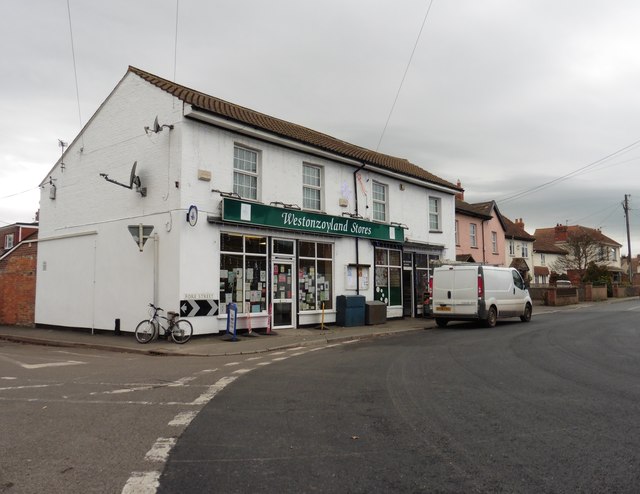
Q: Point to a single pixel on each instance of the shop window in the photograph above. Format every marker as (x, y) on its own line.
(388, 276)
(243, 272)
(315, 276)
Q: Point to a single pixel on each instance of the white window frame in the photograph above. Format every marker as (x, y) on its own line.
(457, 233)
(543, 259)
(252, 175)
(384, 203)
(316, 188)
(525, 249)
(8, 241)
(494, 242)
(512, 248)
(473, 235)
(434, 214)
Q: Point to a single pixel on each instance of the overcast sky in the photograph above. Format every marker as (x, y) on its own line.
(503, 95)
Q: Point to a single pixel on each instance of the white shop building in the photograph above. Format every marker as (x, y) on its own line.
(234, 206)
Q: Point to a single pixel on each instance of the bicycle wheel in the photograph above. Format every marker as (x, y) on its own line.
(181, 331)
(145, 331)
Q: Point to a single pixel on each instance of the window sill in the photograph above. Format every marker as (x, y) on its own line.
(435, 231)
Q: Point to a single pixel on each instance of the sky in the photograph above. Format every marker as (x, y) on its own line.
(531, 103)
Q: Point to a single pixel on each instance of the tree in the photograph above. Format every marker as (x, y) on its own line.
(582, 250)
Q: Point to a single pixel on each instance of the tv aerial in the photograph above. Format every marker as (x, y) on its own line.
(133, 180)
(157, 127)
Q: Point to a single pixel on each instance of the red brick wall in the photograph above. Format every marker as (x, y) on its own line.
(18, 286)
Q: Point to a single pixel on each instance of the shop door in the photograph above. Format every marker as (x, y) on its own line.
(282, 293)
(407, 284)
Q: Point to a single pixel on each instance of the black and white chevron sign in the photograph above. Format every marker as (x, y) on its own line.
(196, 308)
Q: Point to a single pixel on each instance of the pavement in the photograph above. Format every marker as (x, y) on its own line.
(219, 345)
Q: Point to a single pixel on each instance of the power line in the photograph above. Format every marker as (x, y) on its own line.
(18, 193)
(75, 71)
(404, 75)
(572, 174)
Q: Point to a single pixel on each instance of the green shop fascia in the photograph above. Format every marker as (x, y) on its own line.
(237, 211)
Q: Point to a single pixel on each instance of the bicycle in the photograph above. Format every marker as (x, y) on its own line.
(179, 329)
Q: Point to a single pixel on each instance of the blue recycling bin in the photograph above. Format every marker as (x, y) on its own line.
(350, 310)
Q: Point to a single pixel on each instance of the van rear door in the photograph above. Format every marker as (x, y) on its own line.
(455, 291)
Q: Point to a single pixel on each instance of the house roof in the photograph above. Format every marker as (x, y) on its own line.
(545, 244)
(596, 235)
(288, 130)
(471, 210)
(515, 231)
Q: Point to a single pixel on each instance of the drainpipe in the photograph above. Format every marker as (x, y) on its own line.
(355, 192)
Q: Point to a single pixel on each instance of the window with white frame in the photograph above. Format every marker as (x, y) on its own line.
(457, 234)
(614, 254)
(525, 250)
(494, 242)
(543, 259)
(379, 201)
(312, 187)
(512, 248)
(245, 173)
(473, 234)
(8, 241)
(434, 214)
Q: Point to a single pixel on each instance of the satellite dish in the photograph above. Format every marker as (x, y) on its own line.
(132, 177)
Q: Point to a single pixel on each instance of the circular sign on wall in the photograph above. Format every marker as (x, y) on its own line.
(192, 215)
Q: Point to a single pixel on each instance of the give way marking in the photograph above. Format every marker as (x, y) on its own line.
(40, 366)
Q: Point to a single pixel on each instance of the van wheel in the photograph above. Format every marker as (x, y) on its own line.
(526, 316)
(492, 317)
(441, 322)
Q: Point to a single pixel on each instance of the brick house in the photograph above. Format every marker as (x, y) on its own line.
(606, 251)
(18, 277)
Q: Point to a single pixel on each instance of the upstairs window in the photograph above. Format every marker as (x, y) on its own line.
(525, 250)
(245, 173)
(456, 234)
(379, 202)
(512, 248)
(8, 241)
(473, 237)
(494, 242)
(312, 187)
(434, 214)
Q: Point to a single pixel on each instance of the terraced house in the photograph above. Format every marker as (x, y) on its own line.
(177, 197)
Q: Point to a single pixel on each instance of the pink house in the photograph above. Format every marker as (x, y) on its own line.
(480, 234)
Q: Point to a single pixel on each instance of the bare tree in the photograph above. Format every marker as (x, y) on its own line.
(582, 250)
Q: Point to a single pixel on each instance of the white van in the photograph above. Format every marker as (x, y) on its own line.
(481, 293)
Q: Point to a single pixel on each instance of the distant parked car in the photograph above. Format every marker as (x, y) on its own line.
(563, 284)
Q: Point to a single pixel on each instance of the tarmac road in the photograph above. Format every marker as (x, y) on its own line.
(548, 406)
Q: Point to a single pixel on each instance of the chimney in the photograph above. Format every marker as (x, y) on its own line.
(561, 233)
(460, 195)
(519, 223)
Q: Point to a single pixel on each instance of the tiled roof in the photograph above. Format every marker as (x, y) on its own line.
(471, 210)
(290, 130)
(596, 235)
(544, 243)
(511, 230)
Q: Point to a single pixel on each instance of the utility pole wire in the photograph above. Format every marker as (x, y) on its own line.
(404, 75)
(75, 71)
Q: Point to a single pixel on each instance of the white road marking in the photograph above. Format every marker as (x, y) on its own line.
(40, 366)
(254, 358)
(29, 387)
(349, 342)
(296, 348)
(278, 353)
(160, 450)
(183, 418)
(174, 384)
(632, 308)
(214, 390)
(297, 353)
(242, 371)
(279, 358)
(142, 483)
(316, 349)
(263, 363)
(231, 364)
(8, 378)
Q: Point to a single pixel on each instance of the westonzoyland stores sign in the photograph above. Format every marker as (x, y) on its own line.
(292, 219)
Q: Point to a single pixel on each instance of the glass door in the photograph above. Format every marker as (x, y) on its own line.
(282, 293)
